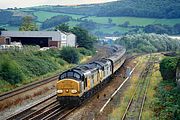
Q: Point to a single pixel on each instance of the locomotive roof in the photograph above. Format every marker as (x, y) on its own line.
(90, 67)
(101, 62)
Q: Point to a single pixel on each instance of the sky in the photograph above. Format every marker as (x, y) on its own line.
(28, 3)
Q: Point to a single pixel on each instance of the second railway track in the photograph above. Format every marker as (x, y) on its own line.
(135, 106)
(27, 87)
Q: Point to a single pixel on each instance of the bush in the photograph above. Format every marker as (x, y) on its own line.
(168, 68)
(167, 103)
(10, 71)
(70, 55)
(84, 51)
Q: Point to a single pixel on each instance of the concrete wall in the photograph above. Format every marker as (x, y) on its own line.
(71, 40)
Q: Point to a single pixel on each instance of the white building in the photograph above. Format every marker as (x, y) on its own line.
(41, 38)
(71, 40)
(175, 37)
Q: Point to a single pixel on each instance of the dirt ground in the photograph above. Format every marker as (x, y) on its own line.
(90, 110)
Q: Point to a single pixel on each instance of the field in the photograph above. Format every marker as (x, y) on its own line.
(111, 29)
(10, 28)
(41, 16)
(134, 20)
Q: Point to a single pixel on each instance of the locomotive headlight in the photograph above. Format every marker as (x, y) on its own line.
(59, 91)
(73, 91)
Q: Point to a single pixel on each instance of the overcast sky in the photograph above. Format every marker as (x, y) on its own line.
(28, 3)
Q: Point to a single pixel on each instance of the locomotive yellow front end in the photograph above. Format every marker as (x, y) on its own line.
(68, 88)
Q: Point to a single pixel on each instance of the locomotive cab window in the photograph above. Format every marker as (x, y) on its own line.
(77, 76)
(70, 74)
(63, 76)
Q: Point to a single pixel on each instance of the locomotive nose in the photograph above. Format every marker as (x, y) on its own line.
(68, 87)
(67, 90)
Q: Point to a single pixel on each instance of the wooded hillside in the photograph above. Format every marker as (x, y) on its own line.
(134, 8)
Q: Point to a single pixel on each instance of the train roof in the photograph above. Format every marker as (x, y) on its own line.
(118, 54)
(90, 67)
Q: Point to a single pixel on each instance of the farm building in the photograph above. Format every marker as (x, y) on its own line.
(41, 38)
(4, 40)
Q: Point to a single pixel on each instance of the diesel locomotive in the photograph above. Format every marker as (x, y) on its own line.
(79, 83)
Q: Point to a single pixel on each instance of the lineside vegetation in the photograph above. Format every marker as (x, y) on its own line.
(24, 66)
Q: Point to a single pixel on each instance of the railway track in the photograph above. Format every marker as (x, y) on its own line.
(39, 106)
(27, 87)
(57, 112)
(135, 106)
(103, 52)
(45, 109)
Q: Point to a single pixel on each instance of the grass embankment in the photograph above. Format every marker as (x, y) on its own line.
(21, 67)
(118, 112)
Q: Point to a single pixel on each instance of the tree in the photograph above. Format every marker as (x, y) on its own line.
(70, 55)
(88, 25)
(63, 27)
(168, 68)
(125, 24)
(55, 20)
(149, 43)
(109, 20)
(28, 24)
(83, 38)
(3, 29)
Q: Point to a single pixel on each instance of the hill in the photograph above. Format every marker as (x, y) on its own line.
(106, 19)
(133, 8)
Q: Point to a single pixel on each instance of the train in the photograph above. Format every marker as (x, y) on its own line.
(80, 83)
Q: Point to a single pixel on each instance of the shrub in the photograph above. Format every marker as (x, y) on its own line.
(10, 71)
(167, 103)
(70, 55)
(84, 51)
(168, 68)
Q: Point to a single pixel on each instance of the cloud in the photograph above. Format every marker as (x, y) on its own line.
(29, 3)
